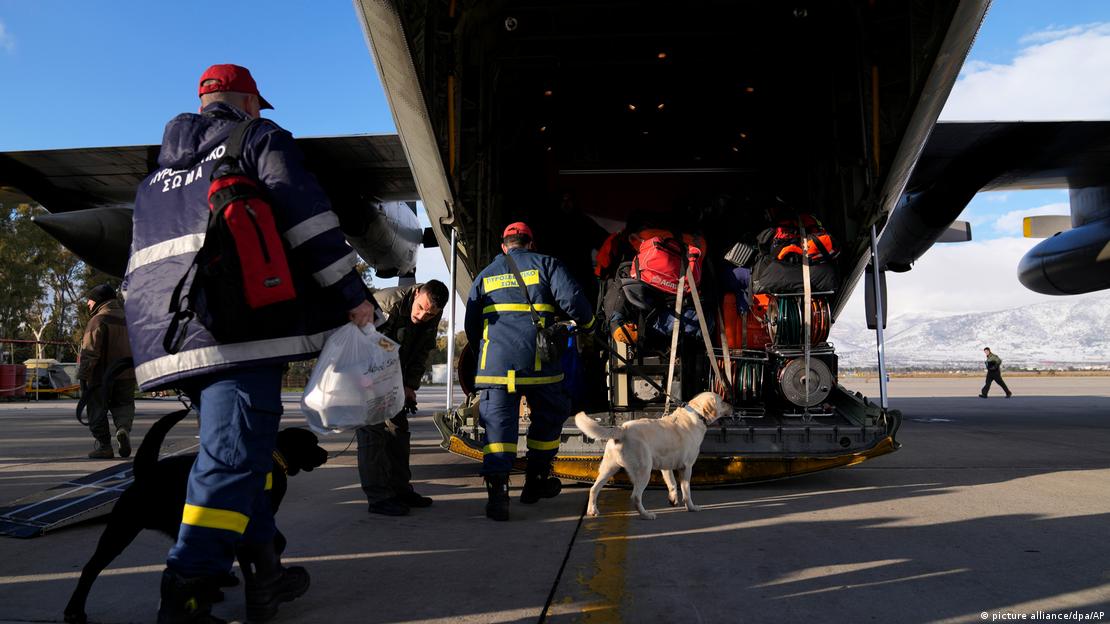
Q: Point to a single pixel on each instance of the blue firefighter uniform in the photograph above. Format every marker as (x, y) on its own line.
(237, 385)
(498, 320)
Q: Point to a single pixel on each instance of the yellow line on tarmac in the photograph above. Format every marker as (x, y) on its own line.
(609, 532)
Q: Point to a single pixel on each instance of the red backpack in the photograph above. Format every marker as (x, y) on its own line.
(242, 287)
(660, 262)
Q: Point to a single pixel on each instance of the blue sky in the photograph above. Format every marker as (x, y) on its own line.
(80, 74)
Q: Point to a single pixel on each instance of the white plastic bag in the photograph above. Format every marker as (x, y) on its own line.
(356, 381)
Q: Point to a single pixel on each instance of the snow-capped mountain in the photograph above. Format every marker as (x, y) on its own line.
(1058, 334)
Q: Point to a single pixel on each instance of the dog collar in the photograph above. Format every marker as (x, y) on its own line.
(698, 414)
(279, 459)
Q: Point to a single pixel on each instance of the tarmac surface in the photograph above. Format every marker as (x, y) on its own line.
(992, 507)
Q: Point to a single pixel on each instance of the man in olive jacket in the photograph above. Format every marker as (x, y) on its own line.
(994, 373)
(103, 345)
(383, 449)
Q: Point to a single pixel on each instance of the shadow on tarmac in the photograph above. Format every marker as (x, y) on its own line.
(941, 530)
(855, 569)
(992, 507)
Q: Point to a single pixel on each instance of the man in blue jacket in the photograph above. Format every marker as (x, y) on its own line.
(235, 383)
(500, 321)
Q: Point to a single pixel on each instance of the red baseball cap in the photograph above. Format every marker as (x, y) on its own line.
(230, 78)
(519, 227)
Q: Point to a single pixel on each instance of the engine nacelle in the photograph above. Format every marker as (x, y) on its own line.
(1076, 261)
(387, 238)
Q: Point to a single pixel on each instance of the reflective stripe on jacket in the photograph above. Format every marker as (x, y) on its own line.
(170, 219)
(499, 322)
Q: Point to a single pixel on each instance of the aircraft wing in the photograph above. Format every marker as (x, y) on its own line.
(356, 172)
(1018, 155)
(961, 159)
(96, 177)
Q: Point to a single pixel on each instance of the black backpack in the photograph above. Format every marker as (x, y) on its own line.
(778, 269)
(242, 287)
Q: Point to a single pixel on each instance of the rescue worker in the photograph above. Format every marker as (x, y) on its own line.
(103, 345)
(235, 383)
(499, 320)
(994, 373)
(383, 449)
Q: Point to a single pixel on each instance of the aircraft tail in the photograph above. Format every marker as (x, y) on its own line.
(591, 428)
(147, 455)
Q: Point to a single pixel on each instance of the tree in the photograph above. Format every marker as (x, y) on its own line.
(41, 284)
(439, 354)
(20, 286)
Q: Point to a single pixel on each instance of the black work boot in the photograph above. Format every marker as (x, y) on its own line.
(187, 600)
(538, 482)
(497, 487)
(102, 450)
(124, 440)
(268, 583)
(389, 507)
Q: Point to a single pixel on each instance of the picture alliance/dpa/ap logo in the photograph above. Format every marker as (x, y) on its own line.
(1044, 616)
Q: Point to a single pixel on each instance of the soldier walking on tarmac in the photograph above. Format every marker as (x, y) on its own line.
(994, 373)
(502, 315)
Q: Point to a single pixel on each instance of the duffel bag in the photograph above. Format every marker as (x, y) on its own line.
(773, 277)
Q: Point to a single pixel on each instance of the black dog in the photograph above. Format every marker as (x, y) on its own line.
(156, 498)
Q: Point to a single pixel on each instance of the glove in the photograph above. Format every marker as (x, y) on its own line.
(626, 333)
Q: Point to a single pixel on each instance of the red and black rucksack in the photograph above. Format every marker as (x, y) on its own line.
(242, 286)
(660, 262)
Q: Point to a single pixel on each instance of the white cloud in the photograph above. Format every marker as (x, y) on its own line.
(977, 276)
(1061, 74)
(1054, 33)
(1011, 222)
(7, 42)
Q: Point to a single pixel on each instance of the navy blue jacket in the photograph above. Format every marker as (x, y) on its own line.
(498, 320)
(171, 215)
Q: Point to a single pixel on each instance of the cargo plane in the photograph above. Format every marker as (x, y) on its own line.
(583, 118)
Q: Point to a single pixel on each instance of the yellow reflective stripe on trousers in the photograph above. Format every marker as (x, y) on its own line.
(540, 445)
(590, 324)
(269, 481)
(518, 307)
(224, 519)
(513, 381)
(499, 447)
(485, 343)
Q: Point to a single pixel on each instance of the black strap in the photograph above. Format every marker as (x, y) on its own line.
(536, 320)
(181, 314)
(821, 247)
(233, 147)
(114, 368)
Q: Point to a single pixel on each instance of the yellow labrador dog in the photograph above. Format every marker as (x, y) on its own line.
(669, 444)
